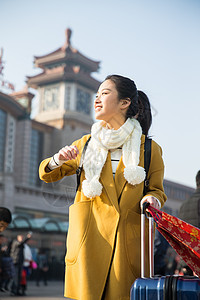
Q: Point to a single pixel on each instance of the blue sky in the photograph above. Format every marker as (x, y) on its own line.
(155, 42)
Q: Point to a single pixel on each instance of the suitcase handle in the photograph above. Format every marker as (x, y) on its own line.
(151, 241)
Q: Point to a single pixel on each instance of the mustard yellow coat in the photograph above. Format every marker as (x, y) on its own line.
(103, 242)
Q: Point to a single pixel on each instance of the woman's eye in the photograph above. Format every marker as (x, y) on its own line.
(104, 93)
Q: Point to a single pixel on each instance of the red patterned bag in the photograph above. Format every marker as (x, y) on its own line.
(182, 236)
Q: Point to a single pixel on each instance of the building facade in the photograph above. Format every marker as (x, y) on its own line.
(66, 89)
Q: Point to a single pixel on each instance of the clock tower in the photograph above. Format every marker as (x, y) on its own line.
(66, 89)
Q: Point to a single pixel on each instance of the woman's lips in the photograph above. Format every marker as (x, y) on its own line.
(98, 108)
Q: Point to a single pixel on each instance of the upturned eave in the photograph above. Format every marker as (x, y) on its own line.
(44, 79)
(63, 56)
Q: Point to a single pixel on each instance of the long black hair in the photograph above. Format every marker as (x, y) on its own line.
(139, 107)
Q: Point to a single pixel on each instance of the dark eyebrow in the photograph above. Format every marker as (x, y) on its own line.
(106, 89)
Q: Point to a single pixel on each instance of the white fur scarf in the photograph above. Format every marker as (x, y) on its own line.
(102, 139)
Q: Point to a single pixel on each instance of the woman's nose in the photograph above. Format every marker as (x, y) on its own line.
(97, 99)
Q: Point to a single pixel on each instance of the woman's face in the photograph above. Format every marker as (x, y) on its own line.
(107, 105)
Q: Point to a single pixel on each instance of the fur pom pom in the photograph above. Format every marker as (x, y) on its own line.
(92, 188)
(134, 175)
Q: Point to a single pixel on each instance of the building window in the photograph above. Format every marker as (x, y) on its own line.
(36, 154)
(83, 103)
(67, 97)
(3, 120)
(10, 144)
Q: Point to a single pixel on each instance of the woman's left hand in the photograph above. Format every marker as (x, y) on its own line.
(152, 201)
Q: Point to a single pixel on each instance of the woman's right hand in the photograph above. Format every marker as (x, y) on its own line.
(67, 153)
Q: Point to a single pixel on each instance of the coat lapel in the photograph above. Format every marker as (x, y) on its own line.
(120, 181)
(108, 182)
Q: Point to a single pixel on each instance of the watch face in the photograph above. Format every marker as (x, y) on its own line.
(51, 99)
(83, 103)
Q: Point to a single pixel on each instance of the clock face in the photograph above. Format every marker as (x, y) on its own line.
(23, 102)
(51, 98)
(83, 103)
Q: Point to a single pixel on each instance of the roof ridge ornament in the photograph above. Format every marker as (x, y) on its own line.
(68, 33)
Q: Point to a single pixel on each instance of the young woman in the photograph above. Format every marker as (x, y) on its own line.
(103, 242)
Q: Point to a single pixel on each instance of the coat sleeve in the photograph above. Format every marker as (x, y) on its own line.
(156, 174)
(68, 168)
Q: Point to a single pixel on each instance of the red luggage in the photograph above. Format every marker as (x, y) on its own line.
(23, 278)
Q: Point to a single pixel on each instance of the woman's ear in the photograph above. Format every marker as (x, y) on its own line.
(125, 103)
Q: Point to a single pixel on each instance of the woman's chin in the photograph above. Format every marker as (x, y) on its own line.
(98, 116)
